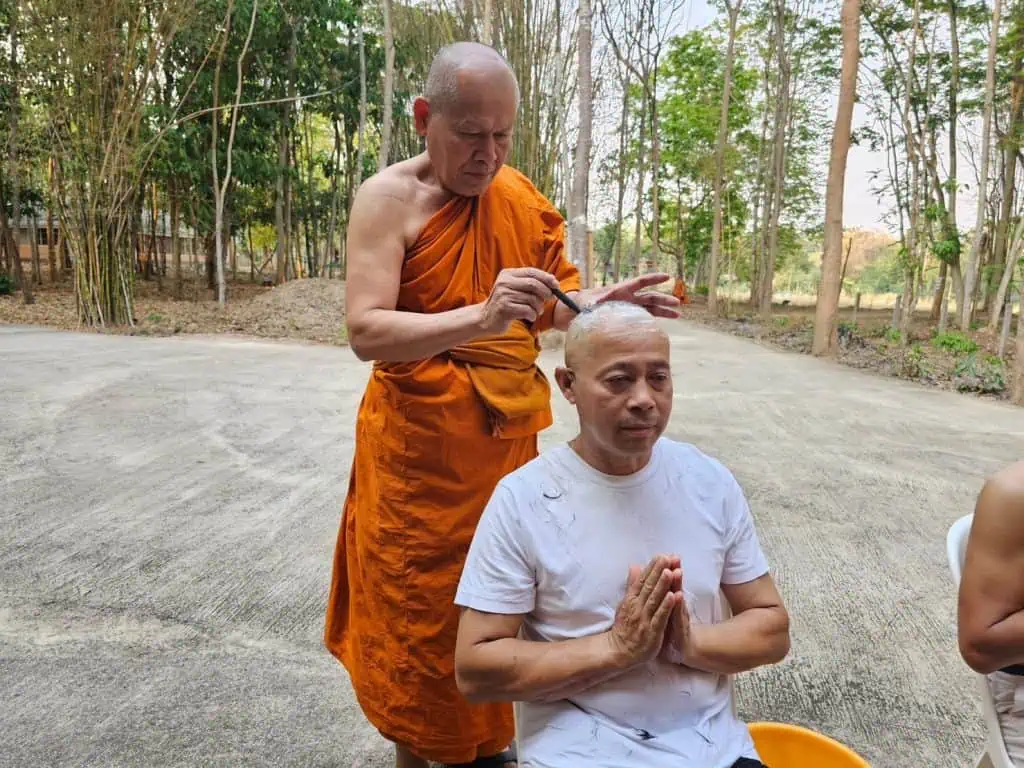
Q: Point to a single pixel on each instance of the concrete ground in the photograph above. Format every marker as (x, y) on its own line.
(168, 511)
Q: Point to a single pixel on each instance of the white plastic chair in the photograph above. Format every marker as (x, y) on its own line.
(995, 755)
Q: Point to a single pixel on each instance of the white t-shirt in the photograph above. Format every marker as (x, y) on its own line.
(555, 543)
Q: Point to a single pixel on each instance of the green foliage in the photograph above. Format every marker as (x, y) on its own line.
(693, 79)
(955, 342)
(883, 275)
(985, 376)
(6, 285)
(913, 364)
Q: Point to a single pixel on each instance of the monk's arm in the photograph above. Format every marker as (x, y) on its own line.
(493, 664)
(376, 249)
(990, 624)
(756, 634)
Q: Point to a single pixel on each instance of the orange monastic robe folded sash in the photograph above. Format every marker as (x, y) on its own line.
(433, 438)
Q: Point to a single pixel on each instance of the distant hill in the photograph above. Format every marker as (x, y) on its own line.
(867, 246)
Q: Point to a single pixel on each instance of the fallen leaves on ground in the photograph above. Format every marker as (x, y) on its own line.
(966, 362)
(306, 310)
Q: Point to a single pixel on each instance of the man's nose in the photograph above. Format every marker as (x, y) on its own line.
(642, 398)
(489, 150)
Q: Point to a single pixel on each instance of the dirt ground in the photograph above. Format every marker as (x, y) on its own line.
(301, 310)
(170, 506)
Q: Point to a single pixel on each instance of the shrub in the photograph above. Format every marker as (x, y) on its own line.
(6, 286)
(987, 376)
(955, 342)
(913, 364)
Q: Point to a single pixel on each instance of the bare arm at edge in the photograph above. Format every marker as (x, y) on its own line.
(990, 622)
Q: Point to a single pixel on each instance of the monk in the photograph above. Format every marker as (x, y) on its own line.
(452, 260)
(679, 291)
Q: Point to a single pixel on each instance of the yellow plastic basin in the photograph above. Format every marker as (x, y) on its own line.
(782, 745)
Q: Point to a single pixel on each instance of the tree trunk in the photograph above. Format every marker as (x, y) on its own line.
(13, 176)
(51, 244)
(175, 213)
(825, 338)
(954, 86)
(640, 178)
(332, 222)
(1011, 146)
(10, 246)
(387, 110)
(1017, 391)
(971, 274)
(361, 148)
(760, 194)
(37, 264)
(578, 241)
(487, 23)
(723, 137)
(623, 128)
(655, 171)
(777, 185)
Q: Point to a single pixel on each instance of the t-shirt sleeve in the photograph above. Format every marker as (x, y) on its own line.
(498, 576)
(744, 559)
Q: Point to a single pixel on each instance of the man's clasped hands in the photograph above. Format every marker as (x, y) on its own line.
(652, 620)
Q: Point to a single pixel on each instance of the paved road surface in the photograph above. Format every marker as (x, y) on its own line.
(168, 509)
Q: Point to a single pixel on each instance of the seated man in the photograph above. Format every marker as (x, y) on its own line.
(990, 624)
(591, 592)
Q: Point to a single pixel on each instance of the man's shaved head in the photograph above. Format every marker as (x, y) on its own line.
(442, 86)
(617, 374)
(617, 318)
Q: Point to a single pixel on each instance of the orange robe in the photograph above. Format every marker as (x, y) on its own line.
(433, 437)
(679, 291)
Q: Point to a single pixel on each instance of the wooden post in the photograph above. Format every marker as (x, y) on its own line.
(896, 314)
(589, 271)
(1007, 317)
(856, 307)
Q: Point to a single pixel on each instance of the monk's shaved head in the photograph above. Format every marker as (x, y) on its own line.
(442, 86)
(618, 319)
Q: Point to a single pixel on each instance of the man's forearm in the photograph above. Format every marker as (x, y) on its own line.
(999, 646)
(750, 639)
(511, 669)
(393, 336)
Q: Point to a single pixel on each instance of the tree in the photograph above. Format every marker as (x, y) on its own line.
(971, 274)
(825, 339)
(220, 188)
(11, 233)
(723, 136)
(578, 240)
(389, 85)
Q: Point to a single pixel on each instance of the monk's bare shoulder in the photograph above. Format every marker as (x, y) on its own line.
(399, 199)
(999, 513)
(392, 186)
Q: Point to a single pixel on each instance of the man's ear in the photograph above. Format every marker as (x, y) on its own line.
(565, 378)
(421, 115)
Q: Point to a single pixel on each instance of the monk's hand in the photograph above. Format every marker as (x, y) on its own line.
(518, 294)
(642, 617)
(676, 645)
(635, 291)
